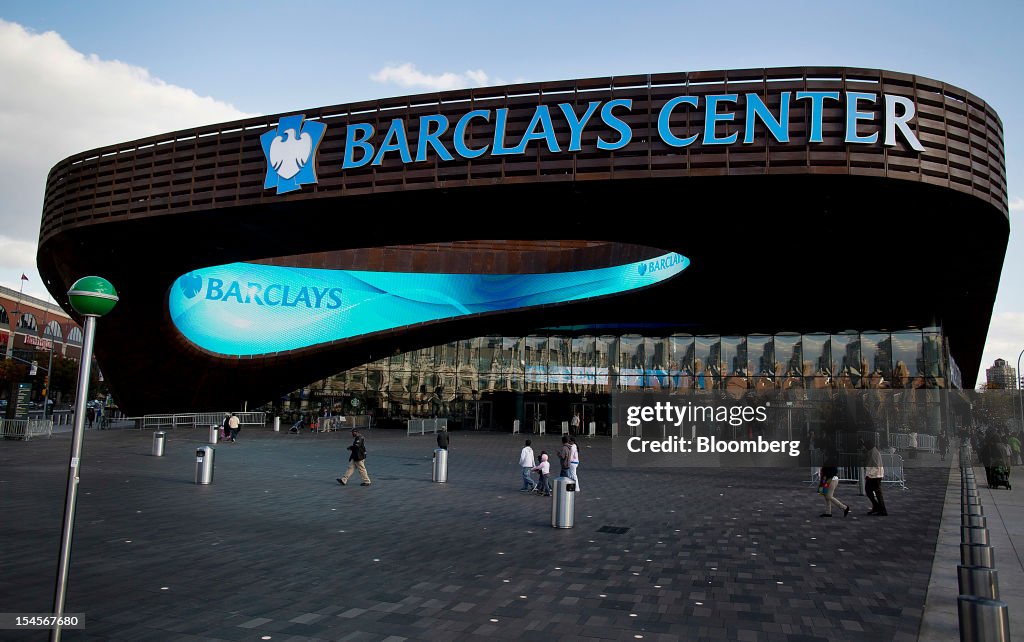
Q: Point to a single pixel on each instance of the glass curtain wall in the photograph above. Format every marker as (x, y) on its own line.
(431, 379)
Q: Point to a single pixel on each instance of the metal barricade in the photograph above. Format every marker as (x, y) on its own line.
(423, 426)
(157, 422)
(199, 420)
(893, 465)
(25, 429)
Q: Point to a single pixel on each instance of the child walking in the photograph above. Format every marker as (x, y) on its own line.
(543, 469)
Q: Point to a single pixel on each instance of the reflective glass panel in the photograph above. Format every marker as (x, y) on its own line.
(876, 356)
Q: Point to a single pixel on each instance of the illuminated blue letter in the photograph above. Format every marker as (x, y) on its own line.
(852, 116)
(432, 138)
(460, 134)
(499, 149)
(354, 140)
(711, 116)
(576, 126)
(777, 128)
(214, 289)
(542, 117)
(665, 115)
(616, 123)
(817, 109)
(394, 141)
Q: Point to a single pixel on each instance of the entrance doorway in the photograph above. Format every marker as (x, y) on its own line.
(534, 413)
(479, 415)
(586, 411)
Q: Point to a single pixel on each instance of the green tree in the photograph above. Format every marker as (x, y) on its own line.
(11, 372)
(63, 378)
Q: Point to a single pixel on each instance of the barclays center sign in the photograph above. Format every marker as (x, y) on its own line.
(290, 148)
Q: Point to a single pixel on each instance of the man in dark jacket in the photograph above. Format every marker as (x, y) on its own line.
(357, 460)
(564, 456)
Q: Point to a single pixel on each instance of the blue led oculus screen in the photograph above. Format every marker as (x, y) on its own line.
(251, 309)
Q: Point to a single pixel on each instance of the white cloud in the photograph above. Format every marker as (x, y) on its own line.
(1017, 204)
(56, 102)
(16, 254)
(407, 75)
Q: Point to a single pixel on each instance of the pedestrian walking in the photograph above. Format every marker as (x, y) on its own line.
(574, 462)
(90, 414)
(574, 425)
(830, 480)
(443, 439)
(873, 475)
(233, 427)
(543, 470)
(357, 460)
(564, 456)
(1015, 448)
(526, 464)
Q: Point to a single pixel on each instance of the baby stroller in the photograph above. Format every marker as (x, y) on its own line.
(1001, 477)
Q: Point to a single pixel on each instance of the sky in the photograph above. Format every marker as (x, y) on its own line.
(76, 75)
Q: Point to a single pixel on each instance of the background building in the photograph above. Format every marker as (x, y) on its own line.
(35, 330)
(1001, 375)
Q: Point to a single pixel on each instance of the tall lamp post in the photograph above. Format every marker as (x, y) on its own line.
(1020, 400)
(91, 297)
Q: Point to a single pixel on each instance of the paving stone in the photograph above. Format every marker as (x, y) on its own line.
(276, 547)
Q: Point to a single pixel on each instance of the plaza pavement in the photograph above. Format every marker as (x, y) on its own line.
(275, 549)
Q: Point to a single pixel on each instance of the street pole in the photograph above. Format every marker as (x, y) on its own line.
(1019, 398)
(49, 367)
(14, 322)
(49, 382)
(92, 297)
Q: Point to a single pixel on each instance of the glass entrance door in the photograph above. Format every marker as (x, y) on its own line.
(481, 415)
(586, 412)
(535, 412)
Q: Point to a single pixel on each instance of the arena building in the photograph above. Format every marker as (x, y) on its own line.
(522, 251)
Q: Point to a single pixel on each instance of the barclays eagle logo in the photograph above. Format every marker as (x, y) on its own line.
(642, 268)
(190, 284)
(290, 149)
